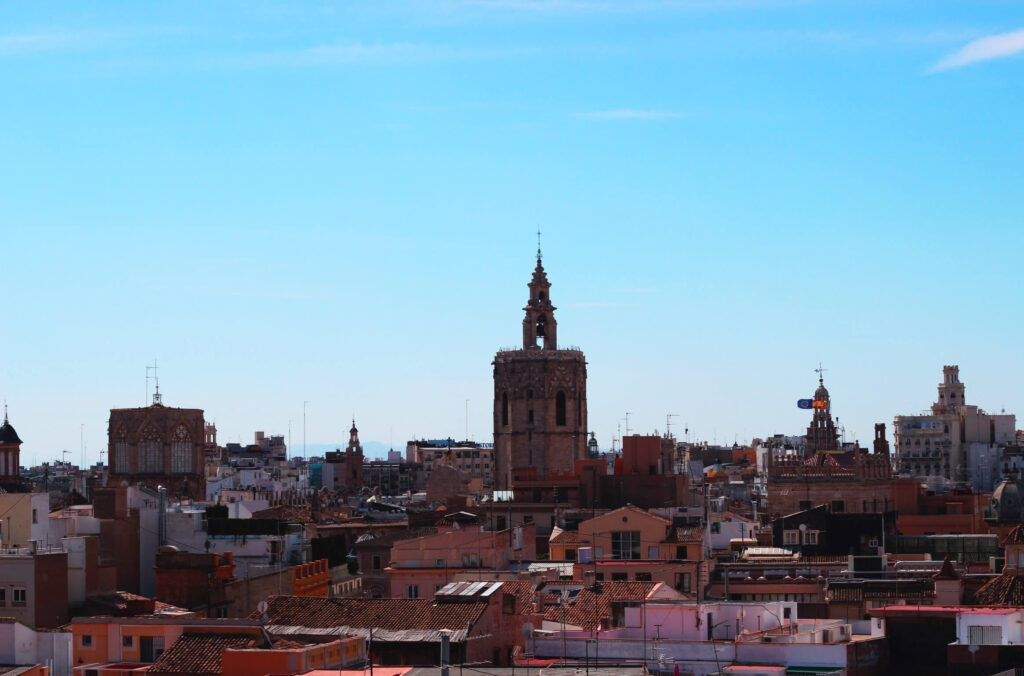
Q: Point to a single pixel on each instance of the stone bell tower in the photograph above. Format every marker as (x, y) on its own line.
(540, 397)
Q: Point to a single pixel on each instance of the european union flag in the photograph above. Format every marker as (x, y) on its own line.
(805, 403)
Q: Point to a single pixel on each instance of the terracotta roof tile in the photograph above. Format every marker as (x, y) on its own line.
(198, 653)
(1003, 590)
(1015, 536)
(391, 614)
(587, 609)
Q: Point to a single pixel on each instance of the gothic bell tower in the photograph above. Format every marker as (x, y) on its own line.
(540, 329)
(540, 397)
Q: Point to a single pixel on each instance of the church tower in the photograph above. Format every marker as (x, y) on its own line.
(821, 433)
(540, 397)
(10, 454)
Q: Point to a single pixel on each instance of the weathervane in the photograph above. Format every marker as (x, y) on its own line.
(819, 371)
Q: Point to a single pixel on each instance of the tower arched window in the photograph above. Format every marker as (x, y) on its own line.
(151, 452)
(560, 409)
(122, 453)
(504, 408)
(181, 451)
(541, 323)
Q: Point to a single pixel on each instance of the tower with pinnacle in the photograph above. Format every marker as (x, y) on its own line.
(10, 453)
(540, 397)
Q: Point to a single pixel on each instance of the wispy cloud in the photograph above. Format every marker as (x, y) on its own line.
(47, 41)
(628, 114)
(358, 53)
(983, 49)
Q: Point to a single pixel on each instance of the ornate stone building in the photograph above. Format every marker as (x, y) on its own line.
(158, 446)
(940, 444)
(540, 398)
(845, 480)
(821, 433)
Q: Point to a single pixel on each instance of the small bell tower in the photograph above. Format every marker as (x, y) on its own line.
(539, 326)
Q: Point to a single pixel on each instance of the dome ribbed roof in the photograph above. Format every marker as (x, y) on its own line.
(1006, 501)
(7, 434)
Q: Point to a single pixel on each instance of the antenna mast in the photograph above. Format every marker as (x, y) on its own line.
(156, 378)
(668, 423)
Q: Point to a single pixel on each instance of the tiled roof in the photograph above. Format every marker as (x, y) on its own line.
(1015, 536)
(566, 537)
(198, 653)
(690, 534)
(587, 609)
(284, 513)
(390, 614)
(1003, 590)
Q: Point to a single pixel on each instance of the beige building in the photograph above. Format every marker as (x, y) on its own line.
(24, 519)
(936, 444)
(476, 460)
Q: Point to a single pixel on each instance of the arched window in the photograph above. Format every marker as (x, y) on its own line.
(560, 409)
(541, 322)
(122, 453)
(181, 451)
(151, 452)
(504, 408)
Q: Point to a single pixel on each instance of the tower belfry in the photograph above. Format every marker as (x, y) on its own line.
(540, 329)
(821, 433)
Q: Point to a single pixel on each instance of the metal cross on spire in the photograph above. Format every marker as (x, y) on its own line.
(538, 244)
(819, 371)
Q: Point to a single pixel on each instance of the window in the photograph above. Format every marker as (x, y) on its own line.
(838, 506)
(791, 537)
(570, 554)
(643, 577)
(985, 635)
(716, 527)
(439, 563)
(805, 505)
(412, 591)
(181, 451)
(20, 596)
(121, 454)
(150, 460)
(811, 537)
(619, 577)
(86, 640)
(126, 641)
(531, 415)
(653, 553)
(375, 565)
(626, 544)
(687, 578)
(560, 409)
(680, 551)
(35, 517)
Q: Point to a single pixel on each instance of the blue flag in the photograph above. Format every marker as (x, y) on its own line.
(805, 403)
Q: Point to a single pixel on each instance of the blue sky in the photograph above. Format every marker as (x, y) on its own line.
(337, 203)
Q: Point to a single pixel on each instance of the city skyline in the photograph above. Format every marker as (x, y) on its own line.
(338, 205)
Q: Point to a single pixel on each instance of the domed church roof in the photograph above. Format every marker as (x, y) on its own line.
(1006, 501)
(7, 433)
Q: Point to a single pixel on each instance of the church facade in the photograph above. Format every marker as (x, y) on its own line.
(158, 446)
(540, 398)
